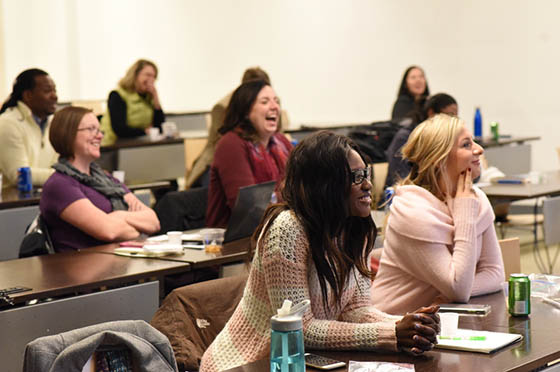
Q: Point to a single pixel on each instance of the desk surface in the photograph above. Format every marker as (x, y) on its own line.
(68, 272)
(541, 344)
(506, 140)
(12, 198)
(549, 185)
(235, 251)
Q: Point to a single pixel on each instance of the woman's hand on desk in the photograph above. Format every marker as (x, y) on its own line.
(416, 332)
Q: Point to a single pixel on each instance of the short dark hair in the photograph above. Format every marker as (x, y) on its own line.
(24, 81)
(317, 188)
(64, 128)
(438, 102)
(240, 104)
(403, 90)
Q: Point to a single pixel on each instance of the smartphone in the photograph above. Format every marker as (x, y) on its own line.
(470, 309)
(321, 362)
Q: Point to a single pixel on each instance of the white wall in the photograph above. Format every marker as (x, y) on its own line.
(330, 61)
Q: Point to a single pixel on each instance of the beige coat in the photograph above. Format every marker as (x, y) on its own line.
(23, 145)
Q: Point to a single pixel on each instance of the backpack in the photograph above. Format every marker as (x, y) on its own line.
(375, 139)
(37, 240)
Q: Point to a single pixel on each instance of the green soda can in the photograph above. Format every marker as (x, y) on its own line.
(519, 298)
(495, 129)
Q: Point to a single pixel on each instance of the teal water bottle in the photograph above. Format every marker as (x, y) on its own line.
(287, 353)
(477, 123)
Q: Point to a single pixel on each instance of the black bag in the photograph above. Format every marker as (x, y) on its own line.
(375, 139)
(36, 241)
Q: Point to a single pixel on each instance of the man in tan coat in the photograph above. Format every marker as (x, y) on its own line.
(24, 128)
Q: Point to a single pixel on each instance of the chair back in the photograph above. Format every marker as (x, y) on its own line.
(511, 254)
(37, 240)
(193, 315)
(182, 210)
(551, 216)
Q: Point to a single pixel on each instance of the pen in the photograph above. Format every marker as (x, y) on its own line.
(516, 182)
(469, 338)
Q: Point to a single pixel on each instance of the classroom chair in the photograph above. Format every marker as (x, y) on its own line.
(511, 254)
(193, 315)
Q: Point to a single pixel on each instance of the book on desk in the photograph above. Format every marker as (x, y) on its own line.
(477, 341)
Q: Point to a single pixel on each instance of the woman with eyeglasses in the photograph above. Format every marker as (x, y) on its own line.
(315, 246)
(440, 242)
(82, 205)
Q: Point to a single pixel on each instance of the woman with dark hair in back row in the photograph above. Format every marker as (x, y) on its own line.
(251, 150)
(315, 246)
(412, 93)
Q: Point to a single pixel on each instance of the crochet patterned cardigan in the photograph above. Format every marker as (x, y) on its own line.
(282, 269)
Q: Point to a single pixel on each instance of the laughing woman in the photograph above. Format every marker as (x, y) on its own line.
(251, 150)
(81, 204)
(440, 241)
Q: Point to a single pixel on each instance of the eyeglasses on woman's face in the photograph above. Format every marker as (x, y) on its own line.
(93, 130)
(360, 175)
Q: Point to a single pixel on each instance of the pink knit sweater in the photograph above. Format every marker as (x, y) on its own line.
(433, 248)
(283, 269)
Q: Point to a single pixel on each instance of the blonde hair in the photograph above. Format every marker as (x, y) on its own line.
(128, 82)
(428, 148)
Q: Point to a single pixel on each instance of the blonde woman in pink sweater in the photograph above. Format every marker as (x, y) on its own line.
(315, 246)
(440, 243)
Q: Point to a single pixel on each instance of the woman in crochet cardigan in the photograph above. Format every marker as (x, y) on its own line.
(315, 246)
(440, 243)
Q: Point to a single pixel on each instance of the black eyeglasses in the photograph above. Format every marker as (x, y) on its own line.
(93, 130)
(360, 175)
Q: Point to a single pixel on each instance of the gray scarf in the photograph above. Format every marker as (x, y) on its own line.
(98, 180)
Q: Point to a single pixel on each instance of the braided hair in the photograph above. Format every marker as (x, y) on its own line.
(24, 81)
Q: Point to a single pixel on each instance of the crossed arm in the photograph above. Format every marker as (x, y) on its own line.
(113, 226)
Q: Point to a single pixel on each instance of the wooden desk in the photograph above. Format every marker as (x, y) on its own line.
(69, 272)
(487, 142)
(541, 344)
(549, 186)
(235, 251)
(12, 198)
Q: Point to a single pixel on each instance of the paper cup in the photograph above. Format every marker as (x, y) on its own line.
(449, 323)
(119, 174)
(153, 133)
(174, 237)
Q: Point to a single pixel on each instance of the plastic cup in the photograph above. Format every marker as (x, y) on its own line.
(169, 129)
(153, 133)
(449, 323)
(213, 239)
(174, 237)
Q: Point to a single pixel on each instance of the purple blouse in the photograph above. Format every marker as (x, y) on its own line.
(59, 192)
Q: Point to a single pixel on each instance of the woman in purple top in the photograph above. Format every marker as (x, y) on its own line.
(81, 204)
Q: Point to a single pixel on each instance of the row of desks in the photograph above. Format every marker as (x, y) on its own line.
(91, 286)
(73, 272)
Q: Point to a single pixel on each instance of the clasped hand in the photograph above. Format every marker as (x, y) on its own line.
(417, 331)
